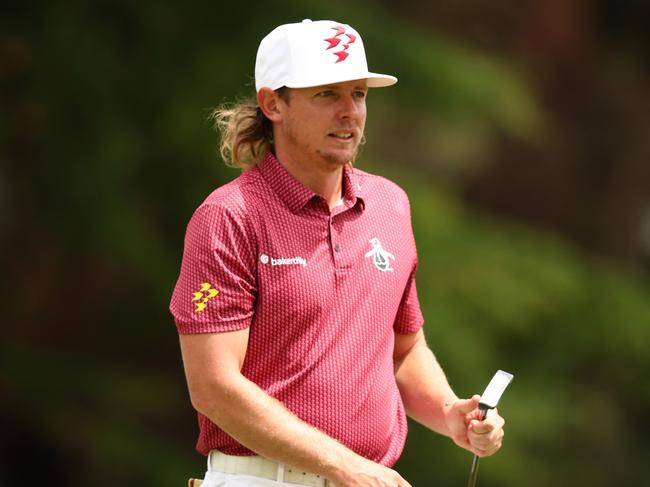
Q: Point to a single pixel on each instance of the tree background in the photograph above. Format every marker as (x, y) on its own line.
(519, 130)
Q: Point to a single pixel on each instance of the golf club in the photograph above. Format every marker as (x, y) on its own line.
(489, 400)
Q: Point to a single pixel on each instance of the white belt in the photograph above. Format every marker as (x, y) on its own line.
(257, 466)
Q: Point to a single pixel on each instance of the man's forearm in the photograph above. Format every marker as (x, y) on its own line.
(263, 425)
(424, 388)
(429, 399)
(256, 420)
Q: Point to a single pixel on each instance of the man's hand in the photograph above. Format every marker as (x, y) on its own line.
(483, 438)
(365, 473)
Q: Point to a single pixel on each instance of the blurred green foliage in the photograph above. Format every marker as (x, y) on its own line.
(574, 332)
(105, 152)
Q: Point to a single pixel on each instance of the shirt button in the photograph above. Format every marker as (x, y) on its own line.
(337, 248)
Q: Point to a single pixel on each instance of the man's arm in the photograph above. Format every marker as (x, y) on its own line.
(429, 399)
(261, 423)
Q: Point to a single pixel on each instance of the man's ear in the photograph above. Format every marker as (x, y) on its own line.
(268, 101)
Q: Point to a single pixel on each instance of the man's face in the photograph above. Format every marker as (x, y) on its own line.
(324, 125)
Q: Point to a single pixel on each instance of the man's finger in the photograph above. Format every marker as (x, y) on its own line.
(480, 427)
(466, 406)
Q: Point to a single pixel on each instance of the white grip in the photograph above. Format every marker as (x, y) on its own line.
(495, 388)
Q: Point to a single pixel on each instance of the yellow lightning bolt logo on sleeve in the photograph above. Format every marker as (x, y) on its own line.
(203, 295)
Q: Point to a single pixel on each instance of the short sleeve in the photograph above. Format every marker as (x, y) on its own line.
(216, 288)
(409, 317)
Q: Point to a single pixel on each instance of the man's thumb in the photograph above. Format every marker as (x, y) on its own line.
(468, 405)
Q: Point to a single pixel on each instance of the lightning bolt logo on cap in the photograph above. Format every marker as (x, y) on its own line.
(336, 40)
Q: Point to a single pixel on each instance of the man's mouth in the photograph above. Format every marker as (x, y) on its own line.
(342, 135)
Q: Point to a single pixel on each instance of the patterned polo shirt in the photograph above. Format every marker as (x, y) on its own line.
(322, 293)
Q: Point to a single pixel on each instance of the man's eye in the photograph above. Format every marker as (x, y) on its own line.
(360, 94)
(325, 93)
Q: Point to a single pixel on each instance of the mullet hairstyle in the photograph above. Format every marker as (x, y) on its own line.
(246, 133)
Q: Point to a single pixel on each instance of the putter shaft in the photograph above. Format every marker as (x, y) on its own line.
(473, 472)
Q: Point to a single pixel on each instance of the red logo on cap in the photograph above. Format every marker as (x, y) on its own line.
(336, 39)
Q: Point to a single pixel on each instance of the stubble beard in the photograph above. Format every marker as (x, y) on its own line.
(330, 157)
(336, 159)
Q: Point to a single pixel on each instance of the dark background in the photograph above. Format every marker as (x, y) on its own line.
(520, 130)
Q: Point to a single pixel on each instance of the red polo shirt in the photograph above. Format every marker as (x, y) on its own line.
(323, 293)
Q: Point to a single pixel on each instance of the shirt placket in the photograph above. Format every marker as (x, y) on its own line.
(339, 251)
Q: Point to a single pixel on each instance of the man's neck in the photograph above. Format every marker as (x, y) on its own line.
(325, 180)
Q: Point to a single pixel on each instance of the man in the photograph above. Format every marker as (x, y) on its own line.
(300, 326)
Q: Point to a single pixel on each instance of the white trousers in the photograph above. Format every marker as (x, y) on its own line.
(218, 479)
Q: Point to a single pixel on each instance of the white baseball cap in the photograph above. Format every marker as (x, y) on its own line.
(316, 53)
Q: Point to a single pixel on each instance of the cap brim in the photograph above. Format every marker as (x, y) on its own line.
(374, 80)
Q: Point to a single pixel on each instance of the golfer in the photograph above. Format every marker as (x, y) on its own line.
(299, 321)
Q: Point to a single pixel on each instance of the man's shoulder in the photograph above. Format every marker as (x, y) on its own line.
(237, 193)
(236, 202)
(376, 184)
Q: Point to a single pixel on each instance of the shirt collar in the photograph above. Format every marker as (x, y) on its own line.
(294, 194)
(352, 193)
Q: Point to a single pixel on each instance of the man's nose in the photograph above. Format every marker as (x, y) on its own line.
(349, 107)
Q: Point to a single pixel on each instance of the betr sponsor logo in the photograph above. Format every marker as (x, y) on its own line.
(265, 259)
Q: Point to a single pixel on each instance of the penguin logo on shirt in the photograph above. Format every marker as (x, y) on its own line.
(203, 295)
(380, 257)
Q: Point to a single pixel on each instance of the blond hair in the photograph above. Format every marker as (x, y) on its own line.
(246, 133)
